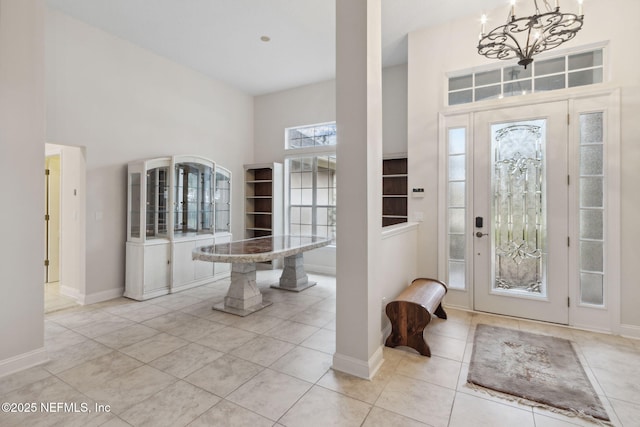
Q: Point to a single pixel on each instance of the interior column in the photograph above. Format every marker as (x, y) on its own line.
(22, 136)
(359, 180)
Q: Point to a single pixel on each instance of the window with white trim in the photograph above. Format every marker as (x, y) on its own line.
(311, 180)
(571, 70)
(311, 136)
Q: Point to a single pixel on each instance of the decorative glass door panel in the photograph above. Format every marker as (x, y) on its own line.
(157, 202)
(518, 211)
(520, 205)
(205, 196)
(193, 199)
(222, 197)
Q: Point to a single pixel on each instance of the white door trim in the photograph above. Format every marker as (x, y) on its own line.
(607, 318)
(462, 116)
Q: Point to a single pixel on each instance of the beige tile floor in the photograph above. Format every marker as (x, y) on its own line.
(172, 361)
(54, 300)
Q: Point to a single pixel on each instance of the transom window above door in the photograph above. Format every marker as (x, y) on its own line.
(570, 70)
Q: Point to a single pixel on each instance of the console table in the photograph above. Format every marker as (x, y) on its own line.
(243, 296)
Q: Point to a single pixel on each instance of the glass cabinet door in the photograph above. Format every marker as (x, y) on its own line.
(193, 198)
(222, 198)
(134, 205)
(206, 200)
(157, 202)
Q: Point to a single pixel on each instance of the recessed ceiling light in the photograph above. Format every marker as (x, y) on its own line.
(265, 39)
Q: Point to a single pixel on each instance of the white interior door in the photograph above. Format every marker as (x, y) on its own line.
(520, 209)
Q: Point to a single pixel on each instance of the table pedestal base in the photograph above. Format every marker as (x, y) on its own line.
(293, 276)
(243, 296)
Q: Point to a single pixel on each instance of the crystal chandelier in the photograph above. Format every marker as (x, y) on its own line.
(527, 36)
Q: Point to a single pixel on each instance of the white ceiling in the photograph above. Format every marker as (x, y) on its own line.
(221, 38)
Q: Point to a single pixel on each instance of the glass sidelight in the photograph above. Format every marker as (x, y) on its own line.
(519, 207)
(457, 206)
(592, 212)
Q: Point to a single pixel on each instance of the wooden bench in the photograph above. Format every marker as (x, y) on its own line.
(411, 311)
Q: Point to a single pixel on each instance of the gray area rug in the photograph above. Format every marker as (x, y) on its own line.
(538, 368)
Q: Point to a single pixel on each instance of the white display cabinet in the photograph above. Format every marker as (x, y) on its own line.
(171, 211)
(222, 216)
(148, 248)
(193, 210)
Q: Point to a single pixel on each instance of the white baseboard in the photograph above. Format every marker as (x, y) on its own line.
(70, 292)
(221, 276)
(23, 361)
(630, 331)
(320, 269)
(588, 328)
(386, 331)
(356, 367)
(100, 296)
(459, 307)
(194, 284)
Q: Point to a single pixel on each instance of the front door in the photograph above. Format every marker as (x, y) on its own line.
(520, 212)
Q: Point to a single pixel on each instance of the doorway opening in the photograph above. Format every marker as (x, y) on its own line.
(64, 227)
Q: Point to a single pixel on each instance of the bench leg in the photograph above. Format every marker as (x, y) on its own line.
(408, 321)
(440, 312)
(416, 342)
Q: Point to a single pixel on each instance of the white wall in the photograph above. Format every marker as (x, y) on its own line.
(316, 103)
(394, 110)
(321, 260)
(121, 103)
(22, 135)
(304, 105)
(430, 59)
(400, 264)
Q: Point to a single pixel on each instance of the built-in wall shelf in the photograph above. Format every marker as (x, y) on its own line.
(263, 192)
(394, 191)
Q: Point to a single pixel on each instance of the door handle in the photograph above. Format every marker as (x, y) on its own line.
(480, 234)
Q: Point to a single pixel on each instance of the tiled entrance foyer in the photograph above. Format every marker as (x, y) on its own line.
(173, 361)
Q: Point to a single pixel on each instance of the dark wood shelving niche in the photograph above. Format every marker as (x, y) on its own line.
(394, 191)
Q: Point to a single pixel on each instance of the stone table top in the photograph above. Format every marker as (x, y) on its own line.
(258, 249)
